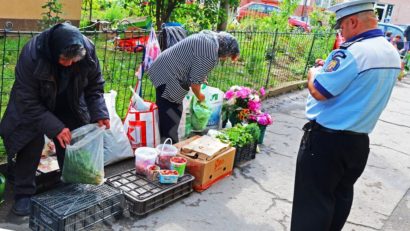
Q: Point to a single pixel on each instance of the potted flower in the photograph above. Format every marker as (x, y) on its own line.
(263, 120)
(241, 102)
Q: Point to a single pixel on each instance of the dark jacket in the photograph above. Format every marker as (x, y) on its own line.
(33, 96)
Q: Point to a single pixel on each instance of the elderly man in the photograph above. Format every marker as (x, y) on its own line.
(347, 96)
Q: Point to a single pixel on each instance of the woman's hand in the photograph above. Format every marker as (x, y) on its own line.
(64, 137)
(201, 97)
(104, 122)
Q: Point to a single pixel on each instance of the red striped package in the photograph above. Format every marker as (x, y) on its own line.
(142, 127)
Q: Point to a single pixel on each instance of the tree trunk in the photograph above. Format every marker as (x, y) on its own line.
(223, 15)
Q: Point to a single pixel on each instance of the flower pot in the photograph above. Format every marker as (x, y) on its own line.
(262, 134)
(233, 117)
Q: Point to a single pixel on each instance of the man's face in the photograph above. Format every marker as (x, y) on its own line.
(346, 28)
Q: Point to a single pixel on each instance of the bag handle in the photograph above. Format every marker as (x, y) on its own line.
(165, 142)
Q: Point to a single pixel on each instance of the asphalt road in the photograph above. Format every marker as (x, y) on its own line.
(258, 196)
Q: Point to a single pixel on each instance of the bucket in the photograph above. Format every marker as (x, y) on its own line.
(144, 156)
(166, 152)
(178, 164)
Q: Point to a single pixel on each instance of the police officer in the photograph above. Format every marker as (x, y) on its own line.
(347, 96)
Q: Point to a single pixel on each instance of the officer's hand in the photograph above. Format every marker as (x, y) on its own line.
(64, 137)
(319, 62)
(104, 122)
(312, 72)
(201, 97)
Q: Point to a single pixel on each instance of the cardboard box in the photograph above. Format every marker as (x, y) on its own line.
(208, 172)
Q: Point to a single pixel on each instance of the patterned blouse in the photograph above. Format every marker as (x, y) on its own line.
(187, 62)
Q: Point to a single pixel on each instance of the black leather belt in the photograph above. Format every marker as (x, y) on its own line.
(314, 126)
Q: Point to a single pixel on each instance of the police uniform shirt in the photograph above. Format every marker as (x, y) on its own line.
(187, 62)
(357, 82)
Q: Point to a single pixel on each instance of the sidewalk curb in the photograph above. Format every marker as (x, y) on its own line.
(286, 88)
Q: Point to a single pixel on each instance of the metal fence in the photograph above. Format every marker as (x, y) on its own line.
(268, 59)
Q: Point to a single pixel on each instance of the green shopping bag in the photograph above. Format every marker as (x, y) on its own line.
(200, 114)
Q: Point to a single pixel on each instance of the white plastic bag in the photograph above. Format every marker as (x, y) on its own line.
(84, 157)
(116, 144)
(185, 127)
(138, 103)
(214, 98)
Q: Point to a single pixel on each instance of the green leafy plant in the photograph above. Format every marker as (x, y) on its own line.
(52, 14)
(237, 136)
(254, 130)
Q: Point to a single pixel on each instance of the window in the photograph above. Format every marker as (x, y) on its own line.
(270, 9)
(257, 8)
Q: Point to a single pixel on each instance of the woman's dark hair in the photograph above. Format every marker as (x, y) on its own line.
(73, 51)
(228, 46)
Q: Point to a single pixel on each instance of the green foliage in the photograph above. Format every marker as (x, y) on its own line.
(237, 136)
(321, 20)
(51, 16)
(194, 16)
(254, 130)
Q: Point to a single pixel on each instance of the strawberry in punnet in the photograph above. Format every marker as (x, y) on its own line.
(169, 172)
(179, 160)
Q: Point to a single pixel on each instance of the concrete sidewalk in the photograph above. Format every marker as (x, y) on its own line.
(258, 196)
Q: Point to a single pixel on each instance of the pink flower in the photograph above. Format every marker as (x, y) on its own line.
(229, 94)
(264, 119)
(254, 105)
(262, 91)
(243, 92)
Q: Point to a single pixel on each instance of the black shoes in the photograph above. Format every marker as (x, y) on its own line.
(22, 206)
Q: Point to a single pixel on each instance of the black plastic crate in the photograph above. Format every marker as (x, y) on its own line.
(245, 153)
(74, 207)
(143, 196)
(46, 181)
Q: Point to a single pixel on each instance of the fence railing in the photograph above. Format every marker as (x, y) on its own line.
(268, 59)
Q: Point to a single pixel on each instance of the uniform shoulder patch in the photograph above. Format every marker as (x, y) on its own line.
(334, 63)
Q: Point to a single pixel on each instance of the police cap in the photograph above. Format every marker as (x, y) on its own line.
(350, 7)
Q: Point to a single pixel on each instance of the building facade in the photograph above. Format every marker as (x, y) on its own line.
(394, 11)
(25, 14)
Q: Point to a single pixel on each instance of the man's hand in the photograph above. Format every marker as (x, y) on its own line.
(104, 122)
(64, 137)
(312, 90)
(319, 62)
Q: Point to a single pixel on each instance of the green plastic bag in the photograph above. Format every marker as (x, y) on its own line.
(200, 114)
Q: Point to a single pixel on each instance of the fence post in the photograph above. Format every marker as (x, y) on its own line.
(310, 53)
(2, 71)
(272, 59)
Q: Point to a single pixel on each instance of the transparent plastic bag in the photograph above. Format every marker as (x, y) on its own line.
(84, 157)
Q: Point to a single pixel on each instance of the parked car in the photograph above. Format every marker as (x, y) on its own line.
(396, 30)
(260, 10)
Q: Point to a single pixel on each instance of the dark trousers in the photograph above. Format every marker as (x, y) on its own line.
(22, 167)
(327, 167)
(169, 116)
